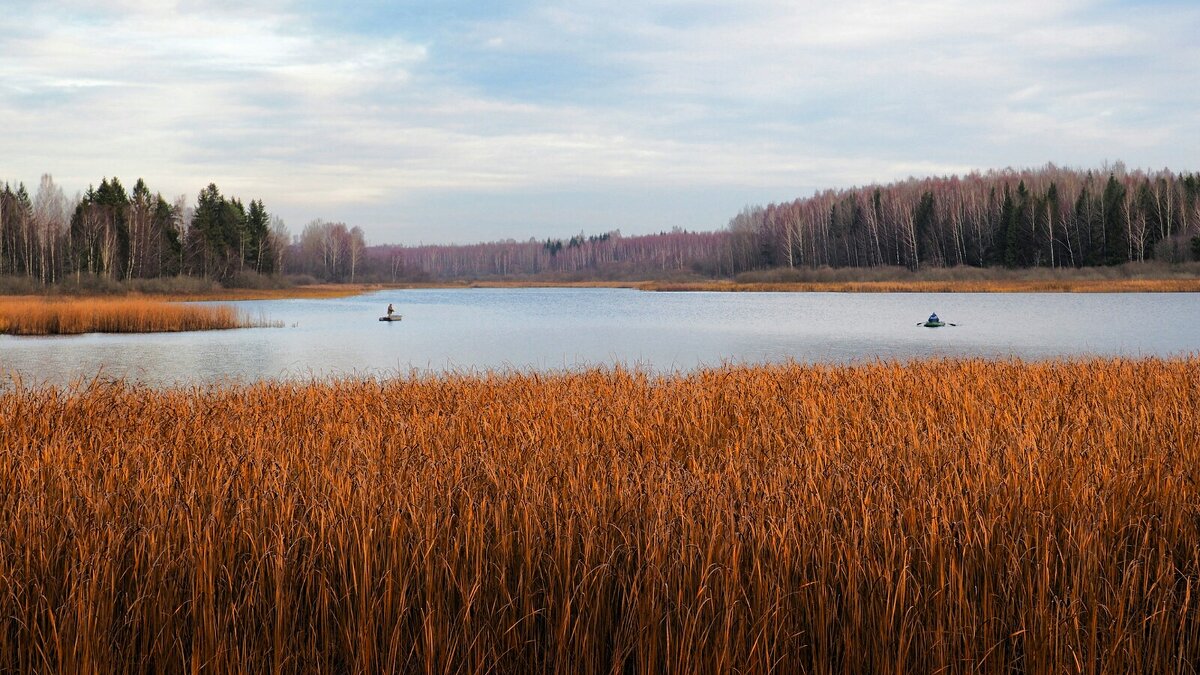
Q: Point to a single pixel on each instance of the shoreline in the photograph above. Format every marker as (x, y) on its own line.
(1190, 285)
(981, 286)
(335, 290)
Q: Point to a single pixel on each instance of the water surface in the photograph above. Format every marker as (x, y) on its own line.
(553, 329)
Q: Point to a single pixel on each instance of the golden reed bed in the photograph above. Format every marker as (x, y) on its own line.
(943, 516)
(72, 316)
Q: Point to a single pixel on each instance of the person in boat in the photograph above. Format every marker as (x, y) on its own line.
(391, 310)
(933, 318)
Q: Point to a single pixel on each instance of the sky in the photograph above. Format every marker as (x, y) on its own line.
(445, 121)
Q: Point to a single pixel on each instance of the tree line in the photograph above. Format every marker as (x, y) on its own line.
(113, 233)
(1048, 217)
(607, 255)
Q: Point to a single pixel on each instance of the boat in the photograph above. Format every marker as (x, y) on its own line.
(394, 317)
(934, 324)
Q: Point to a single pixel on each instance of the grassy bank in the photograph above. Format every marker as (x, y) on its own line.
(309, 292)
(1146, 277)
(943, 516)
(992, 286)
(183, 288)
(1149, 277)
(72, 316)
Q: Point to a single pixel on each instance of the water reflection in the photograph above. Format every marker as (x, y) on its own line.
(545, 329)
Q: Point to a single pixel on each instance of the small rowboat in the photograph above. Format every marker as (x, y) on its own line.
(934, 324)
(394, 317)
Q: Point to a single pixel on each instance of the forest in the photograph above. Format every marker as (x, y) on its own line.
(1047, 217)
(108, 232)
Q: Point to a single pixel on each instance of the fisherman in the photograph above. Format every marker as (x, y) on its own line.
(391, 310)
(933, 318)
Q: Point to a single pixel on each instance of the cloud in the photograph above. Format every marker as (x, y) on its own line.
(359, 112)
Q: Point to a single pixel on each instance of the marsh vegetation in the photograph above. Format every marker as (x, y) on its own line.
(73, 316)
(939, 516)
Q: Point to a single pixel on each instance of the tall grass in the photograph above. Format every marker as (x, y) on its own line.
(944, 516)
(70, 316)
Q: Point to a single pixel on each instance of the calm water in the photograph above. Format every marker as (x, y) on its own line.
(549, 329)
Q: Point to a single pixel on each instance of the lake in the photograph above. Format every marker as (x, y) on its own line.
(559, 328)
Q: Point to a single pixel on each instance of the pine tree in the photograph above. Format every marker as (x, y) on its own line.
(1009, 222)
(1116, 240)
(169, 253)
(258, 235)
(924, 222)
(209, 237)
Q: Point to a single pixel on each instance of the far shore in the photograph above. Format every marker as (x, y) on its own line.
(1191, 285)
(1002, 286)
(1182, 285)
(1131, 278)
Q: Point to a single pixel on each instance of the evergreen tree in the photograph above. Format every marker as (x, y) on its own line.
(169, 254)
(924, 222)
(258, 237)
(1009, 221)
(1116, 240)
(17, 243)
(215, 234)
(100, 230)
(1024, 227)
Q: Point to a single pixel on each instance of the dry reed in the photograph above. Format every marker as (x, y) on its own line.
(942, 516)
(72, 316)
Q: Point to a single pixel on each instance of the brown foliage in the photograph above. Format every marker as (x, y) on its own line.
(942, 516)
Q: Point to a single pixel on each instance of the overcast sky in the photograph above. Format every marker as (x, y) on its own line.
(449, 121)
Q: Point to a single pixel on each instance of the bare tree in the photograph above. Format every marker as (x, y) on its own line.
(50, 218)
(280, 238)
(356, 245)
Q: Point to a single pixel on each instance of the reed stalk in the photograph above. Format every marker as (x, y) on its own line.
(72, 316)
(936, 516)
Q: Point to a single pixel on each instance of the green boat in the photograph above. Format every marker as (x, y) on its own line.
(934, 324)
